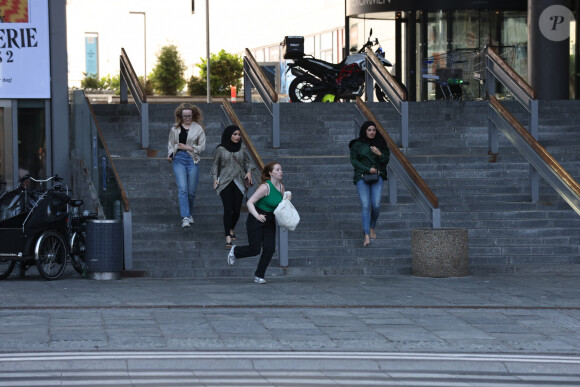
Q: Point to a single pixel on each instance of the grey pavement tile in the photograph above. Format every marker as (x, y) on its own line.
(540, 346)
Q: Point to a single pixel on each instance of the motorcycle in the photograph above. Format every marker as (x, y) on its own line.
(317, 80)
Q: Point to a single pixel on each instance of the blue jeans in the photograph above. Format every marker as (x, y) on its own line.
(370, 200)
(187, 176)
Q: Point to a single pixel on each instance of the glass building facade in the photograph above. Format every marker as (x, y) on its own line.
(433, 40)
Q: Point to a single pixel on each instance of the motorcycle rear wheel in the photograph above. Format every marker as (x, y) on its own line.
(50, 255)
(6, 268)
(299, 89)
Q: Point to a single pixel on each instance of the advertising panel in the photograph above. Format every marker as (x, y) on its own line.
(24, 49)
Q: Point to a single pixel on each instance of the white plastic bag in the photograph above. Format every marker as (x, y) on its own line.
(286, 214)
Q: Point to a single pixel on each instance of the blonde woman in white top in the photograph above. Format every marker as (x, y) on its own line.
(185, 144)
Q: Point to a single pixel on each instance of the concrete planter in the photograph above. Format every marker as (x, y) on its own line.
(440, 252)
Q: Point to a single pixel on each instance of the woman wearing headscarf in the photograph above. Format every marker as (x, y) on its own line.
(369, 154)
(231, 166)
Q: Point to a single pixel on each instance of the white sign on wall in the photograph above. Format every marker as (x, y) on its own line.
(24, 49)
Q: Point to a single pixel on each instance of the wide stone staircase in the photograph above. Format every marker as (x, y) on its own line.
(489, 196)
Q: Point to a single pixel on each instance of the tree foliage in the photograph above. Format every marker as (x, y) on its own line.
(167, 76)
(225, 70)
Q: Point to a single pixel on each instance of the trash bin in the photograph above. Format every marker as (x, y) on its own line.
(440, 252)
(104, 249)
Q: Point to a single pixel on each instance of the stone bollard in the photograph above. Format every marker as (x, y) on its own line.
(440, 252)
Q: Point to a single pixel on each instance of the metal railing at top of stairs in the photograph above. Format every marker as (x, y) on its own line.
(254, 76)
(536, 155)
(89, 145)
(231, 118)
(129, 80)
(375, 71)
(497, 68)
(404, 170)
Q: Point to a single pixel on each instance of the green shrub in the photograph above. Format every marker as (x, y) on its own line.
(167, 76)
(111, 83)
(90, 82)
(197, 86)
(226, 70)
(147, 85)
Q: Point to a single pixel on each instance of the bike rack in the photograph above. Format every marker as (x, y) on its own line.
(254, 76)
(376, 72)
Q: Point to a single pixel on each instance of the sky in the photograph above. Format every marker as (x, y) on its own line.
(233, 26)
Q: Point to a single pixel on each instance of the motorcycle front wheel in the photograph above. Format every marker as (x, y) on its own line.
(301, 89)
(50, 255)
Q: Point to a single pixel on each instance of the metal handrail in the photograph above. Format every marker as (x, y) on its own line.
(536, 154)
(129, 80)
(517, 86)
(405, 171)
(86, 145)
(125, 200)
(232, 119)
(254, 76)
(375, 71)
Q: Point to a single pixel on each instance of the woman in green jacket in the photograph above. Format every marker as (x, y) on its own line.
(369, 154)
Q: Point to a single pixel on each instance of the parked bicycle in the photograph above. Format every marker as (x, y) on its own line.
(41, 227)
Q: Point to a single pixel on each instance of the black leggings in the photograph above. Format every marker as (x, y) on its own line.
(261, 237)
(232, 199)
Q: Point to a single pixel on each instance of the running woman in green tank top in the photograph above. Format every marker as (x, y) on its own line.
(261, 223)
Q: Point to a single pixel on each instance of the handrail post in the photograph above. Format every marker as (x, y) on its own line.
(492, 131)
(392, 182)
(534, 175)
(405, 124)
(145, 125)
(369, 83)
(247, 84)
(492, 136)
(436, 216)
(534, 118)
(283, 246)
(534, 184)
(128, 240)
(124, 93)
(276, 125)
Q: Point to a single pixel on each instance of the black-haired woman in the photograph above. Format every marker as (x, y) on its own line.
(369, 154)
(231, 166)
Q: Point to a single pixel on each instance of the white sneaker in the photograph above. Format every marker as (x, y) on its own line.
(232, 257)
(184, 223)
(190, 219)
(259, 280)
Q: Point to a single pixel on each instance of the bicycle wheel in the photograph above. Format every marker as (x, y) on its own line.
(78, 251)
(50, 254)
(6, 267)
